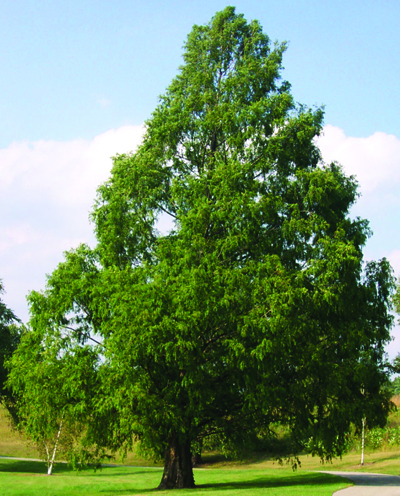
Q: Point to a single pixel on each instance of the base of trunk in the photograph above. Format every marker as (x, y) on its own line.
(178, 469)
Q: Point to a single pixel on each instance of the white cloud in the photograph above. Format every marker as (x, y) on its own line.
(47, 189)
(375, 160)
(65, 173)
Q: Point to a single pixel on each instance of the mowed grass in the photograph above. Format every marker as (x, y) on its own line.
(27, 478)
(259, 475)
(21, 478)
(379, 462)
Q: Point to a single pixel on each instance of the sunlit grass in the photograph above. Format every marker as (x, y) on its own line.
(258, 475)
(20, 478)
(12, 443)
(381, 461)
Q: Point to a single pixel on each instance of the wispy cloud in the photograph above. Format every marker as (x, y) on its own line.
(104, 102)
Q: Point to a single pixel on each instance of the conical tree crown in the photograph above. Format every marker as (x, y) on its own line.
(220, 151)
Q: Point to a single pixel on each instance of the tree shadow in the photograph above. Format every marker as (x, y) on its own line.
(33, 467)
(262, 482)
(40, 468)
(309, 479)
(100, 473)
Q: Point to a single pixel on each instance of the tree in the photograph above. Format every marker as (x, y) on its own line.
(52, 378)
(394, 386)
(10, 334)
(256, 307)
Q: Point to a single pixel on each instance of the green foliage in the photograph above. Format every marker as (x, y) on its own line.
(257, 307)
(378, 438)
(394, 386)
(10, 335)
(396, 302)
(374, 438)
(393, 437)
(9, 338)
(52, 379)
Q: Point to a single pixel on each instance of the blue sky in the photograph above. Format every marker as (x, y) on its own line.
(77, 68)
(79, 78)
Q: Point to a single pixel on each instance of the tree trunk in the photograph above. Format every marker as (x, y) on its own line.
(50, 463)
(178, 469)
(362, 441)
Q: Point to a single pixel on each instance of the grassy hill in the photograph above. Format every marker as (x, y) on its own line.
(11, 442)
(383, 458)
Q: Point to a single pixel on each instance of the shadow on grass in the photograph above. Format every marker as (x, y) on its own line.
(304, 480)
(308, 479)
(210, 459)
(32, 467)
(395, 456)
(36, 467)
(100, 473)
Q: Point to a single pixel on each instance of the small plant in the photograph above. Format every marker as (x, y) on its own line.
(393, 436)
(375, 438)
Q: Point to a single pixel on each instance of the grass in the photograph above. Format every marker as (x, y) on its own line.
(14, 444)
(21, 478)
(11, 443)
(382, 462)
(227, 478)
(256, 476)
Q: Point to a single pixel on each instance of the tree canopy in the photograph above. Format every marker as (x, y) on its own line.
(257, 306)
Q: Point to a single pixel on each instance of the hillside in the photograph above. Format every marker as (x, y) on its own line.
(382, 454)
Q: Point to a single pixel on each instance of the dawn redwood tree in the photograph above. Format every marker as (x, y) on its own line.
(256, 307)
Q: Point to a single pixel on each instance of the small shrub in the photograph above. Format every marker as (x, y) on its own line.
(393, 436)
(375, 438)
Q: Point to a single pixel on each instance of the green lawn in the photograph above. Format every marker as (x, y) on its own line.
(259, 475)
(21, 478)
